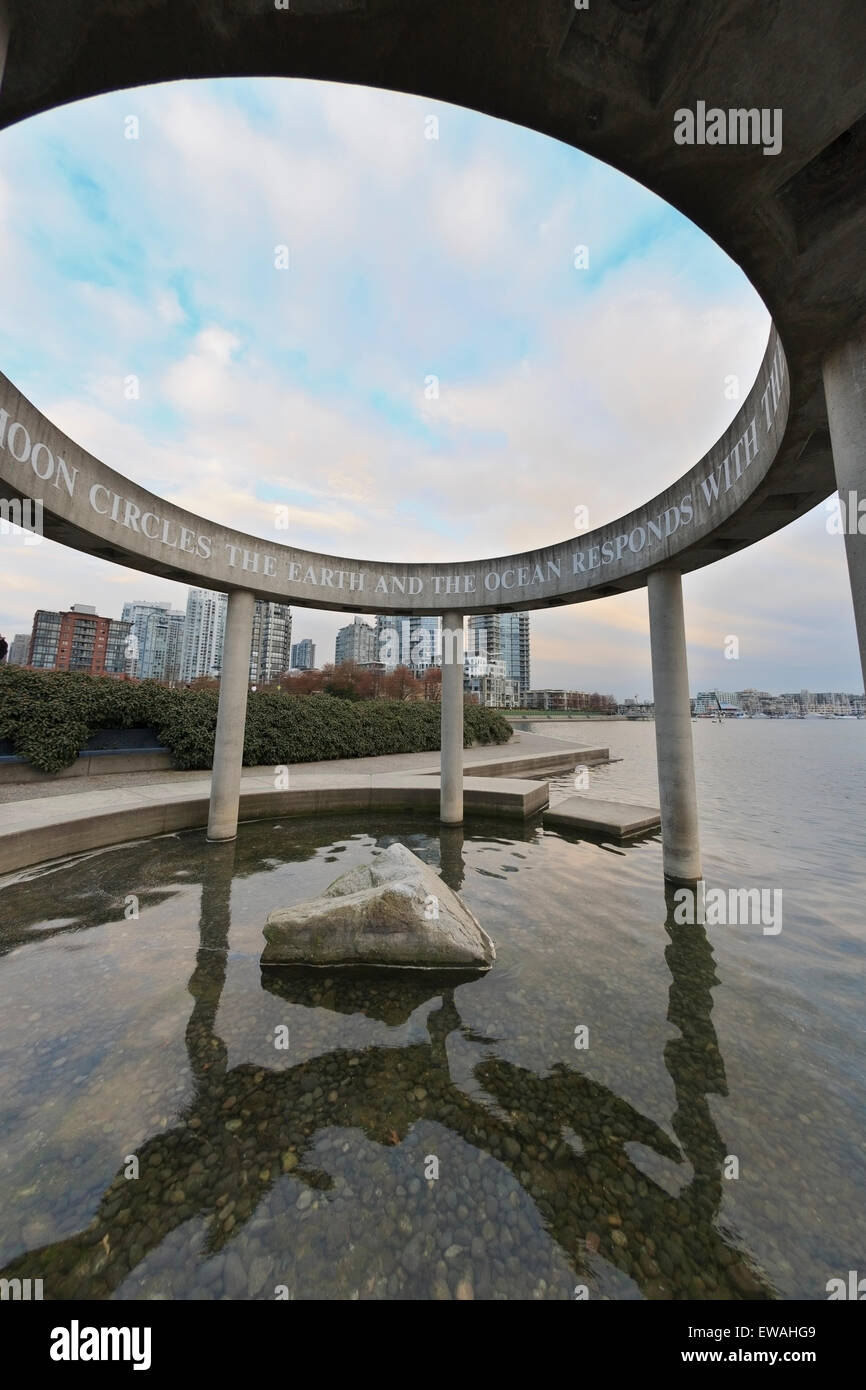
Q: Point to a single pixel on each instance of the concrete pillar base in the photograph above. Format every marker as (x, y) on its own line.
(673, 883)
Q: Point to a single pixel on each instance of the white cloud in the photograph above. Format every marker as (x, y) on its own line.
(202, 381)
(473, 209)
(169, 308)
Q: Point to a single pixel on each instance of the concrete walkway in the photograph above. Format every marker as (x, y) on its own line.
(50, 820)
(484, 760)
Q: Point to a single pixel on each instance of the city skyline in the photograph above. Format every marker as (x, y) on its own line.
(575, 683)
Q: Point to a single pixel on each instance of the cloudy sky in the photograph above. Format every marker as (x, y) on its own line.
(308, 386)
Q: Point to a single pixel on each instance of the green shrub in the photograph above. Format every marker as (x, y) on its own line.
(48, 716)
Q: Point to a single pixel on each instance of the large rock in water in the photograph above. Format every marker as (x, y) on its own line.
(394, 912)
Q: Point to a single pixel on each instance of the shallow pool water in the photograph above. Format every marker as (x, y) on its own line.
(179, 1122)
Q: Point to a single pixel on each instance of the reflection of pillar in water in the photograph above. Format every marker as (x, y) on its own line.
(207, 1052)
(451, 864)
(693, 1059)
(441, 1022)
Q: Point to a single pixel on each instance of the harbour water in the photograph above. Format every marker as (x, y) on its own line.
(623, 1108)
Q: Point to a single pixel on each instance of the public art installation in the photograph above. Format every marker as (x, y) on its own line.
(231, 1175)
(782, 207)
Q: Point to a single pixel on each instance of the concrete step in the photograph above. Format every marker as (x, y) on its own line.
(551, 763)
(616, 819)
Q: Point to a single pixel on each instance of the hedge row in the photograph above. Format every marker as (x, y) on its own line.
(48, 716)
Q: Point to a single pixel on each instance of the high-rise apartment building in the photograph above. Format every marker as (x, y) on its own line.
(484, 637)
(514, 650)
(155, 631)
(203, 634)
(174, 646)
(304, 655)
(415, 641)
(201, 643)
(497, 658)
(137, 613)
(18, 649)
(271, 646)
(356, 642)
(502, 637)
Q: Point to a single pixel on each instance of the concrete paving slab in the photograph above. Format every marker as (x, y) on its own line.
(616, 819)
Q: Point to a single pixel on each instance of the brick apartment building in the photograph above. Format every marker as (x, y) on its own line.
(78, 640)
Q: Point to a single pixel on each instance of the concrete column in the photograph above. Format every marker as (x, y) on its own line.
(676, 764)
(225, 786)
(845, 390)
(451, 765)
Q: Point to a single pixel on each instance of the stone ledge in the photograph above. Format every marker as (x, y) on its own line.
(532, 764)
(32, 832)
(94, 763)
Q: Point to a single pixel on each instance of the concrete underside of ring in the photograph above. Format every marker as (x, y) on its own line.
(607, 80)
